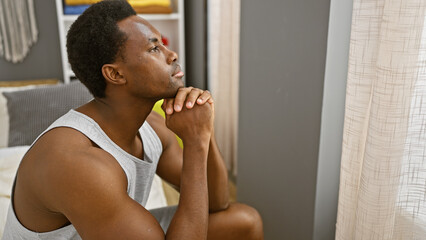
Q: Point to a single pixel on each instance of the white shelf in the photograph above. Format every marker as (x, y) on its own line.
(69, 72)
(170, 25)
(150, 17)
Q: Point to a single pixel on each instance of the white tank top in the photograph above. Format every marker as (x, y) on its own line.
(140, 173)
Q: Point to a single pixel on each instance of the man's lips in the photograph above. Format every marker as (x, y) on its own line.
(178, 72)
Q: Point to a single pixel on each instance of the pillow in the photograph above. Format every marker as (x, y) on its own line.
(32, 111)
(4, 115)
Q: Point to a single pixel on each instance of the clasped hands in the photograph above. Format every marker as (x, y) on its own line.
(190, 114)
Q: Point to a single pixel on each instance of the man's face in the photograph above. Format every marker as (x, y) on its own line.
(151, 70)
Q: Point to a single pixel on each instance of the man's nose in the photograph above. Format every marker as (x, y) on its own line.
(172, 57)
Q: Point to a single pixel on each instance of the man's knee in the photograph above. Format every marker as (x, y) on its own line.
(247, 220)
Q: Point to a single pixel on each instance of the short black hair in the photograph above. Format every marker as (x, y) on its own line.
(94, 39)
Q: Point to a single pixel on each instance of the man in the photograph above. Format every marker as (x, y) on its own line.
(88, 175)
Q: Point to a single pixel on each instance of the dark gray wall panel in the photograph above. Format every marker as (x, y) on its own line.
(196, 43)
(283, 52)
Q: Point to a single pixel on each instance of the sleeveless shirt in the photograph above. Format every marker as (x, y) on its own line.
(139, 173)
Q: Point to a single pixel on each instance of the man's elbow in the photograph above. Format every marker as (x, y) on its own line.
(219, 207)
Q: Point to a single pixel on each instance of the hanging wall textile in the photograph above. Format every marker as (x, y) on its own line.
(18, 29)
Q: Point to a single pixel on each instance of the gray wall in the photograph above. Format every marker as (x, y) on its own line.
(332, 119)
(283, 53)
(196, 43)
(44, 58)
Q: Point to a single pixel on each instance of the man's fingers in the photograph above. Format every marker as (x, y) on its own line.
(187, 97)
(192, 97)
(205, 97)
(169, 106)
(180, 98)
(163, 105)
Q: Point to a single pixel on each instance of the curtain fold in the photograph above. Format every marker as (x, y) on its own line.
(223, 73)
(383, 171)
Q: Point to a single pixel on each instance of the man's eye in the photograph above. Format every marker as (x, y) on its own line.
(155, 49)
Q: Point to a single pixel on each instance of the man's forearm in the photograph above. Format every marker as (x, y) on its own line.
(217, 176)
(191, 218)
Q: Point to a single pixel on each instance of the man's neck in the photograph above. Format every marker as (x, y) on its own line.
(120, 120)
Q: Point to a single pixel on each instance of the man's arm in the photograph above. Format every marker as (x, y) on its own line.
(192, 212)
(170, 164)
(88, 186)
(217, 176)
(194, 128)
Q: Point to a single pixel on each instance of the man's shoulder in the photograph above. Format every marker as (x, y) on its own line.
(64, 145)
(66, 148)
(65, 161)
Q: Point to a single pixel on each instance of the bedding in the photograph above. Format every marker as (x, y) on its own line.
(9, 162)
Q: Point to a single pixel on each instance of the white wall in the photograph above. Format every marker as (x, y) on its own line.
(332, 119)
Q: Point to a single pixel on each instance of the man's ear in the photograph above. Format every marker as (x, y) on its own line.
(112, 74)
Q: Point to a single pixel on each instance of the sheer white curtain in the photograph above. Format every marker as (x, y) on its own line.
(223, 64)
(383, 172)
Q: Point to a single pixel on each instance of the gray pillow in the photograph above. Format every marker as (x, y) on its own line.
(32, 111)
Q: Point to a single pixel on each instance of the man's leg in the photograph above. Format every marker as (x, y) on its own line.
(238, 221)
